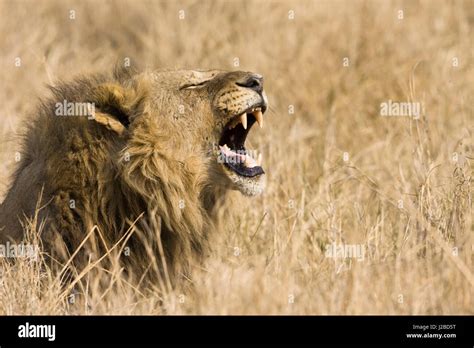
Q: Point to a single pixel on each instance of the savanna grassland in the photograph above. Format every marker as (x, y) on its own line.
(396, 188)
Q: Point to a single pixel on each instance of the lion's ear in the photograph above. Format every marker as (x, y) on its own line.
(115, 106)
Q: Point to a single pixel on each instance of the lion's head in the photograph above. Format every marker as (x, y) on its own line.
(210, 114)
(159, 147)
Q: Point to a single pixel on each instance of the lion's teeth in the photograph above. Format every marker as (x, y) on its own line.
(250, 162)
(259, 159)
(259, 117)
(243, 120)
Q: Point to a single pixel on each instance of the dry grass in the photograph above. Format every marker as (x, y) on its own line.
(271, 259)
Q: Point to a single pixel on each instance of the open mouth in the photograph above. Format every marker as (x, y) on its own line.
(232, 144)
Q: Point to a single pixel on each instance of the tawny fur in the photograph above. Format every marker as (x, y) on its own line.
(138, 160)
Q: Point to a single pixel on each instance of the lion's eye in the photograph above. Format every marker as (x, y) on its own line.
(194, 85)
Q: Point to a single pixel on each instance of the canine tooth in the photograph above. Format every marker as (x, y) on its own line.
(259, 159)
(259, 117)
(243, 120)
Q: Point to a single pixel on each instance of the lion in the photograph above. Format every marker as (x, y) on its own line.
(154, 151)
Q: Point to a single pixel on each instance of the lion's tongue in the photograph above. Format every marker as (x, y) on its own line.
(246, 160)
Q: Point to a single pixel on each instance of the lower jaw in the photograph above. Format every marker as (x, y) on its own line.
(240, 170)
(241, 164)
(249, 186)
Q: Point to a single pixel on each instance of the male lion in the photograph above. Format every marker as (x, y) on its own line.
(157, 149)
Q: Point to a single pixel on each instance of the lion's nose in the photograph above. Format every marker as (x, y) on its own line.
(254, 82)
